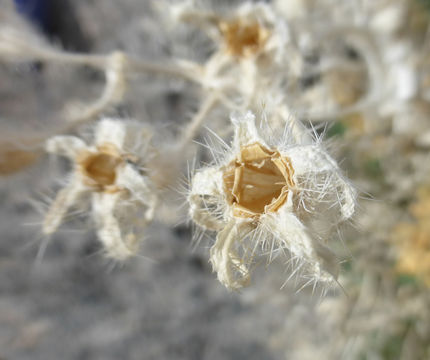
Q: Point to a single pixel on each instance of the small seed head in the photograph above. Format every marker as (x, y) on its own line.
(258, 181)
(100, 168)
(243, 38)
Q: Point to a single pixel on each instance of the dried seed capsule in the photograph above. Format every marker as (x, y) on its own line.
(269, 196)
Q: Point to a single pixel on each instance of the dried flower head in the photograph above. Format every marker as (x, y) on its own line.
(271, 197)
(243, 38)
(258, 181)
(111, 172)
(250, 43)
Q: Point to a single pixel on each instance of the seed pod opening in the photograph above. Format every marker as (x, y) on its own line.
(257, 181)
(99, 169)
(243, 38)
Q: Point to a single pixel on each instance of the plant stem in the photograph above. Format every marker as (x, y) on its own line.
(193, 127)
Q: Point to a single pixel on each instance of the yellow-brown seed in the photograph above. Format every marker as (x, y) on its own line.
(243, 38)
(99, 168)
(258, 181)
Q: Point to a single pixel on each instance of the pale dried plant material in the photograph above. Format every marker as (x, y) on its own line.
(20, 150)
(110, 172)
(278, 197)
(113, 92)
(250, 46)
(413, 239)
(270, 197)
(14, 159)
(258, 181)
(243, 38)
(20, 42)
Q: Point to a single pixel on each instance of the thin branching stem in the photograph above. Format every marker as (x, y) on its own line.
(187, 72)
(193, 127)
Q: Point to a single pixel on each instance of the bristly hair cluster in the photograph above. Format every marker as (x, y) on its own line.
(278, 198)
(110, 172)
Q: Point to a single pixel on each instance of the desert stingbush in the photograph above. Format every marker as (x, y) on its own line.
(280, 196)
(274, 192)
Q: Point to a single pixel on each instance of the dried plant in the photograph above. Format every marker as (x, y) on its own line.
(122, 197)
(268, 194)
(268, 83)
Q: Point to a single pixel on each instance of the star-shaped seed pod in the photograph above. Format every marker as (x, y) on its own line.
(278, 197)
(250, 45)
(243, 37)
(110, 173)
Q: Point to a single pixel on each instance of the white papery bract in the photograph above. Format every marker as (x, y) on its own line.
(278, 197)
(110, 173)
